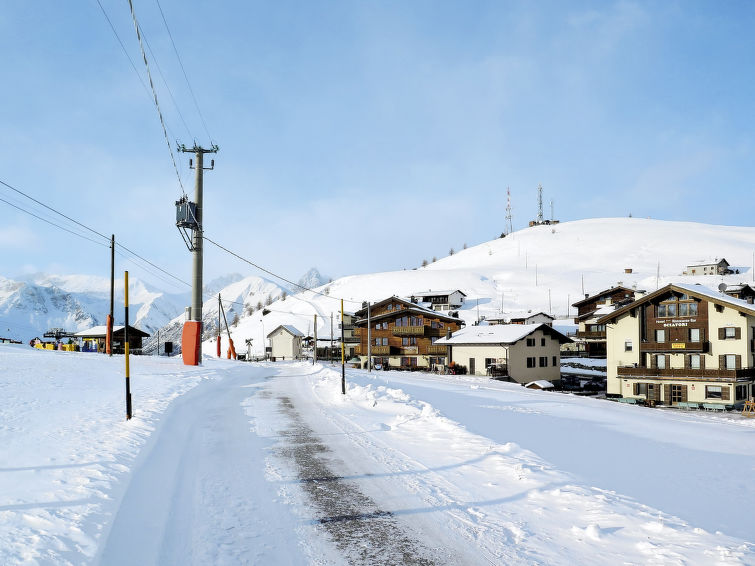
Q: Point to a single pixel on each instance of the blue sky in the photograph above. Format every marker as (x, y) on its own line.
(368, 136)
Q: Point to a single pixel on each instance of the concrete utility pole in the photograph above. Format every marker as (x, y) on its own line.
(369, 337)
(314, 351)
(196, 238)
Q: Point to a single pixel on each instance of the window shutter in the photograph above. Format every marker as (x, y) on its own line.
(653, 361)
(738, 362)
(737, 333)
(721, 333)
(725, 393)
(702, 362)
(668, 361)
(684, 393)
(687, 363)
(636, 388)
(667, 394)
(721, 362)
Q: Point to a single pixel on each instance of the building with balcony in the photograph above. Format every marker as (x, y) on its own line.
(517, 352)
(682, 345)
(402, 334)
(442, 300)
(709, 267)
(591, 335)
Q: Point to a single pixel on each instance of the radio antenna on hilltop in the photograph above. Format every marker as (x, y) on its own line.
(539, 204)
(509, 227)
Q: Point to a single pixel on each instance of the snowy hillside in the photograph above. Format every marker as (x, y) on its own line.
(35, 303)
(542, 268)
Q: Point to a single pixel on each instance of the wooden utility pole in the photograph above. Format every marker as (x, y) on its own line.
(343, 359)
(125, 343)
(109, 333)
(330, 357)
(314, 350)
(369, 338)
(196, 249)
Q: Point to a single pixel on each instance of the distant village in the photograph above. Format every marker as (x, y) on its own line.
(687, 346)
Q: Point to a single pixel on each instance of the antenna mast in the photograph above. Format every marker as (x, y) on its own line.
(539, 204)
(509, 227)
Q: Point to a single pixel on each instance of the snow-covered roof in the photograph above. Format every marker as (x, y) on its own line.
(436, 293)
(708, 262)
(98, 331)
(541, 383)
(288, 328)
(496, 334)
(694, 289)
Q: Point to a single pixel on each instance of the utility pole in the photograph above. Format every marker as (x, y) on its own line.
(314, 351)
(219, 326)
(196, 249)
(369, 337)
(330, 357)
(109, 335)
(343, 359)
(125, 346)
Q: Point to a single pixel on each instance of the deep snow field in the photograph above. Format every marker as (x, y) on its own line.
(234, 463)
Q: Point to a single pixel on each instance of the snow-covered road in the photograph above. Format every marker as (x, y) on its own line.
(235, 463)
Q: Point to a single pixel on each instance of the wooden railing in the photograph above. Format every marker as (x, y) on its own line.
(679, 346)
(408, 330)
(681, 373)
(436, 350)
(591, 335)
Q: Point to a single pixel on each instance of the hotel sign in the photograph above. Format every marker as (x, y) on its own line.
(675, 322)
(678, 345)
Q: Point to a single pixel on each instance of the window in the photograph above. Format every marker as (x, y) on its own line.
(719, 308)
(693, 309)
(531, 362)
(543, 361)
(660, 361)
(641, 389)
(731, 361)
(542, 341)
(660, 335)
(677, 392)
(409, 341)
(671, 309)
(489, 362)
(627, 345)
(683, 309)
(730, 332)
(389, 307)
(661, 311)
(713, 392)
(555, 361)
(741, 392)
(694, 361)
(694, 334)
(531, 342)
(385, 341)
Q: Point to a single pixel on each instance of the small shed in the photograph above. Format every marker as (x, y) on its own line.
(539, 384)
(93, 339)
(285, 343)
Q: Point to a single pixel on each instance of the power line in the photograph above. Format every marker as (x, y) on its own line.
(191, 90)
(154, 94)
(53, 210)
(302, 287)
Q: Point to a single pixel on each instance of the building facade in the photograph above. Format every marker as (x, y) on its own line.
(442, 300)
(682, 344)
(591, 334)
(403, 334)
(520, 352)
(285, 343)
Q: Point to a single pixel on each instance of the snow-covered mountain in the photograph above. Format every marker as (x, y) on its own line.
(541, 268)
(311, 279)
(32, 304)
(240, 297)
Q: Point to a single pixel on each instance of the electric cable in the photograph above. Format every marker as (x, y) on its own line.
(154, 93)
(191, 90)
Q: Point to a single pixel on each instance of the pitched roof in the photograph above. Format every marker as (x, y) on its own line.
(436, 293)
(101, 331)
(288, 328)
(409, 307)
(708, 262)
(603, 293)
(693, 289)
(498, 334)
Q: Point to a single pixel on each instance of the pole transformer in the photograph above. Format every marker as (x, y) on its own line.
(193, 338)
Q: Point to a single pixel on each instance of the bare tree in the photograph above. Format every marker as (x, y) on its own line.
(268, 300)
(235, 321)
(451, 251)
(284, 295)
(259, 305)
(424, 263)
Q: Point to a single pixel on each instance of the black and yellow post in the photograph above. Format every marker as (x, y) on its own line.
(343, 360)
(125, 343)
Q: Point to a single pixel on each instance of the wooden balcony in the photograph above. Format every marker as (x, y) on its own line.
(675, 347)
(348, 339)
(436, 350)
(591, 335)
(681, 373)
(408, 330)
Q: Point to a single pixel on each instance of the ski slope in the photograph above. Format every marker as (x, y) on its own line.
(233, 463)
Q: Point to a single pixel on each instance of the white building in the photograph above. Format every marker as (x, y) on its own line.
(521, 352)
(442, 300)
(285, 343)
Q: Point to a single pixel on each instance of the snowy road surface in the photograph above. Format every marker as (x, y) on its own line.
(236, 463)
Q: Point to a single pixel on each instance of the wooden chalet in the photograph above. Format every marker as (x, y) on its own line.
(683, 345)
(93, 339)
(403, 334)
(591, 335)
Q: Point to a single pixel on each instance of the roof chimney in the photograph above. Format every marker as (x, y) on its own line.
(587, 295)
(448, 333)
